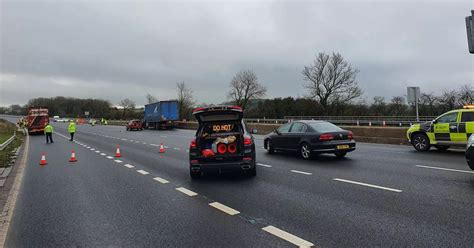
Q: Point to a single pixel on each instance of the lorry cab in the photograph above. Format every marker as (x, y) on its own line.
(222, 142)
(452, 128)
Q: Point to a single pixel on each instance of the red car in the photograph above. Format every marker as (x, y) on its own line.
(134, 124)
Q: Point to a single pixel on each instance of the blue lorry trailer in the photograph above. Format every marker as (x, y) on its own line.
(161, 115)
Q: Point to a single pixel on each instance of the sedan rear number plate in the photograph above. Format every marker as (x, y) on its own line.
(342, 147)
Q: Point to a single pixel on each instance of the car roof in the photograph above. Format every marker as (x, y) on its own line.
(310, 121)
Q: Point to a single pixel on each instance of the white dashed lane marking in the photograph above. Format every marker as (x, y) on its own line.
(103, 154)
(143, 172)
(109, 157)
(118, 161)
(368, 185)
(186, 191)
(128, 165)
(92, 149)
(264, 165)
(97, 151)
(287, 236)
(161, 180)
(444, 169)
(224, 208)
(301, 172)
(176, 148)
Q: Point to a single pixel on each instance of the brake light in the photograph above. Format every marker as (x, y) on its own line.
(326, 136)
(247, 141)
(193, 143)
(350, 136)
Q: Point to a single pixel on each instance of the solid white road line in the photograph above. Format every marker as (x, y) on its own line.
(109, 157)
(287, 236)
(128, 165)
(103, 154)
(118, 161)
(161, 180)
(301, 172)
(143, 172)
(186, 191)
(368, 185)
(264, 165)
(445, 169)
(224, 208)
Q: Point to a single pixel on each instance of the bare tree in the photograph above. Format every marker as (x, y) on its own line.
(150, 98)
(466, 95)
(378, 107)
(331, 79)
(127, 105)
(245, 87)
(397, 106)
(185, 100)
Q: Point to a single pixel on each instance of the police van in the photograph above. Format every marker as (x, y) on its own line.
(452, 128)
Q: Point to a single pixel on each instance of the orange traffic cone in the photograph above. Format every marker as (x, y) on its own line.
(73, 156)
(117, 152)
(43, 160)
(162, 148)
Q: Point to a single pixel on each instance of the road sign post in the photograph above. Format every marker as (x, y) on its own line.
(470, 31)
(413, 94)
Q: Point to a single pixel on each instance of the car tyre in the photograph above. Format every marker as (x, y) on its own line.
(252, 172)
(442, 148)
(305, 151)
(340, 154)
(128, 129)
(421, 142)
(270, 148)
(195, 175)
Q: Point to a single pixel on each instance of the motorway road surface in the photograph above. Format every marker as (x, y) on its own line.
(380, 195)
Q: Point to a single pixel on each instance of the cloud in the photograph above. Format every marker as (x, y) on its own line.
(113, 50)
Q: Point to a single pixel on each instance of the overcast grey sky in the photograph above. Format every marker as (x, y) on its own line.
(113, 50)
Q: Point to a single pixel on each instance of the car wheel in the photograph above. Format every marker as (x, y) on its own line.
(305, 151)
(195, 175)
(421, 142)
(442, 148)
(252, 172)
(340, 154)
(270, 148)
(128, 129)
(471, 163)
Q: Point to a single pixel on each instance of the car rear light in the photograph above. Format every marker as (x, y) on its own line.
(194, 161)
(326, 136)
(247, 158)
(350, 136)
(232, 148)
(193, 143)
(247, 141)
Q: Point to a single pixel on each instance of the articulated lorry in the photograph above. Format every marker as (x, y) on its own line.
(161, 115)
(37, 119)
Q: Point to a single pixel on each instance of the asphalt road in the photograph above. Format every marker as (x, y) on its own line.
(380, 195)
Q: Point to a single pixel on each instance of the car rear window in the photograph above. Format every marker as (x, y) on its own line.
(467, 116)
(324, 127)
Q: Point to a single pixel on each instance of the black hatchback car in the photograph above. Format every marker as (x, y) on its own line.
(222, 142)
(310, 137)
